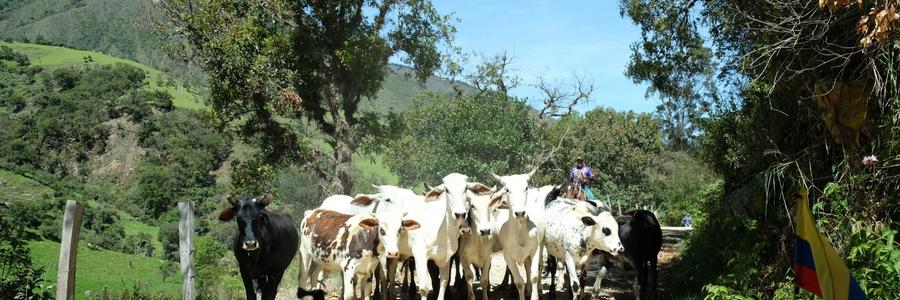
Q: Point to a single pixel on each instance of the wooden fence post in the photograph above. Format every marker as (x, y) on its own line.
(186, 248)
(68, 251)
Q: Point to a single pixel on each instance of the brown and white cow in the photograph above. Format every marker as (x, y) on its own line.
(350, 244)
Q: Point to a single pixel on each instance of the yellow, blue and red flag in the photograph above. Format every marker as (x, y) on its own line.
(817, 267)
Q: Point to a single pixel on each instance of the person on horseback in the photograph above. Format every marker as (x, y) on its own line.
(581, 175)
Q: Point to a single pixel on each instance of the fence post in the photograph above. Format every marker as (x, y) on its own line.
(68, 251)
(186, 248)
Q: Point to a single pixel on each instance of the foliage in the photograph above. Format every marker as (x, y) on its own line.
(678, 181)
(66, 124)
(184, 149)
(212, 281)
(620, 147)
(168, 234)
(19, 277)
(261, 77)
(139, 244)
(473, 134)
(137, 292)
(673, 60)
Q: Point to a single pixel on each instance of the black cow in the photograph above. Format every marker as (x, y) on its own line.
(265, 244)
(642, 237)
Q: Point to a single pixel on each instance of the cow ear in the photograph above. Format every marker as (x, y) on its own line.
(434, 193)
(264, 200)
(497, 200)
(232, 200)
(368, 222)
(226, 215)
(479, 189)
(588, 220)
(363, 200)
(410, 224)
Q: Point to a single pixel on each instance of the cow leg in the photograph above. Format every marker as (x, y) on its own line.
(411, 275)
(573, 276)
(652, 279)
(421, 262)
(636, 287)
(513, 267)
(534, 272)
(504, 285)
(444, 280)
(551, 269)
(387, 282)
(486, 278)
(248, 286)
(303, 268)
(469, 276)
(598, 282)
(347, 288)
(270, 287)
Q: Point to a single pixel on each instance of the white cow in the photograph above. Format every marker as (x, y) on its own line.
(476, 248)
(440, 212)
(350, 244)
(521, 235)
(573, 229)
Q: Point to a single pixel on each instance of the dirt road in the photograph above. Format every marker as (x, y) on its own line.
(617, 285)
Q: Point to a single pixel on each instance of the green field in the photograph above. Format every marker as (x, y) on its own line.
(52, 57)
(99, 268)
(15, 187)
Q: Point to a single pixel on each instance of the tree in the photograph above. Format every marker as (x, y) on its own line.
(671, 57)
(473, 134)
(621, 147)
(273, 62)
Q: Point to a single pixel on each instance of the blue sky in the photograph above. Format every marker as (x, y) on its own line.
(556, 39)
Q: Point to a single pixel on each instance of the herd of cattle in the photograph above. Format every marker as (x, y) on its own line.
(366, 237)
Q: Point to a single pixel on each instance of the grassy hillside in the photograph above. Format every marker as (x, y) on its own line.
(52, 57)
(14, 187)
(118, 28)
(124, 29)
(99, 268)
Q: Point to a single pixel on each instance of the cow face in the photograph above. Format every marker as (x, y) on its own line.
(604, 232)
(389, 226)
(248, 211)
(482, 212)
(457, 188)
(515, 187)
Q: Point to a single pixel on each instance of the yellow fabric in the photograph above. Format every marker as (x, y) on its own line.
(834, 277)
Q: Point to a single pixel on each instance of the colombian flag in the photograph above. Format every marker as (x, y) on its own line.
(817, 266)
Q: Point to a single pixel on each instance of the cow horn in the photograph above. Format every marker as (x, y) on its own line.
(533, 171)
(497, 177)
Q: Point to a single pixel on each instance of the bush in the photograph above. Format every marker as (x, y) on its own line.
(137, 292)
(168, 235)
(19, 278)
(139, 244)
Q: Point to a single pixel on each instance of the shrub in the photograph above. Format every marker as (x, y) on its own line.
(19, 278)
(137, 292)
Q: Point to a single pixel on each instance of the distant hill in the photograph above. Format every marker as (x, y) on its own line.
(52, 57)
(125, 29)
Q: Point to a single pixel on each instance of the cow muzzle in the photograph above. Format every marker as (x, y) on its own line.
(393, 254)
(485, 232)
(520, 214)
(460, 216)
(250, 245)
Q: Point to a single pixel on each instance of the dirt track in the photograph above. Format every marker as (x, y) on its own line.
(617, 285)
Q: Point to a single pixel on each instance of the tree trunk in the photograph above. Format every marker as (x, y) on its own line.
(340, 181)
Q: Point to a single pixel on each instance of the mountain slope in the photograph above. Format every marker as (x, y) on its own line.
(125, 29)
(52, 57)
